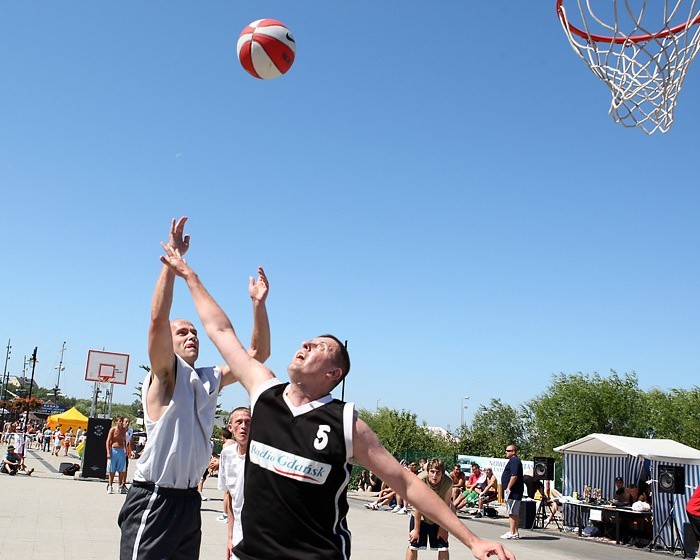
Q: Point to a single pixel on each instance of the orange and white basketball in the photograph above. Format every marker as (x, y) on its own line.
(266, 49)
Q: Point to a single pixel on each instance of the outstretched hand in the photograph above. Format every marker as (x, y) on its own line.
(258, 288)
(485, 549)
(174, 261)
(176, 239)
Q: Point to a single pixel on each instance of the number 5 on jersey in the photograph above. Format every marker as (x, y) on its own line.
(321, 440)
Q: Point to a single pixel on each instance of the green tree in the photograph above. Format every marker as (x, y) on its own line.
(493, 427)
(674, 414)
(575, 405)
(397, 430)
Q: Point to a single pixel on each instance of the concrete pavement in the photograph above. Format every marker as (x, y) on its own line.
(49, 516)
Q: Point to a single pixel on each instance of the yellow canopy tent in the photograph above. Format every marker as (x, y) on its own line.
(71, 418)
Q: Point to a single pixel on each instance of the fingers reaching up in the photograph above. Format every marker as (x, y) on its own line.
(174, 261)
(259, 288)
(176, 240)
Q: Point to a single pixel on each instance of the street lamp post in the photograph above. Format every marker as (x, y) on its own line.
(4, 381)
(60, 368)
(463, 405)
(31, 386)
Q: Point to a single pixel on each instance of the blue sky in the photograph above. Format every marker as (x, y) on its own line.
(437, 182)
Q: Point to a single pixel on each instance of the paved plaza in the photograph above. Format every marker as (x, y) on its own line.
(49, 516)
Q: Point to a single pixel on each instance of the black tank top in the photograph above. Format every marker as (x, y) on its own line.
(296, 474)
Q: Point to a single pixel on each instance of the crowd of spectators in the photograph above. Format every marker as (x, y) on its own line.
(18, 438)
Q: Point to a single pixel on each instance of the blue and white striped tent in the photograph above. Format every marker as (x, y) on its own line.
(595, 460)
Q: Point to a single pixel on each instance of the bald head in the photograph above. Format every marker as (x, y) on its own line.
(185, 340)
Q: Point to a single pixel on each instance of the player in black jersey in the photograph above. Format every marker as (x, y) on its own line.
(302, 442)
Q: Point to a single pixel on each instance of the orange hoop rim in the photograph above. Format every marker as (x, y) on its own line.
(622, 40)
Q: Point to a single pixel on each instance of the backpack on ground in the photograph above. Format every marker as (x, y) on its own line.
(70, 470)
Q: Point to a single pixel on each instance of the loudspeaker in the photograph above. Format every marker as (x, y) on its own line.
(543, 468)
(95, 453)
(671, 479)
(690, 543)
(528, 513)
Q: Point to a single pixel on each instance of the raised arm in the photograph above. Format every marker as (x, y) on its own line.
(260, 339)
(369, 452)
(161, 353)
(244, 368)
(160, 340)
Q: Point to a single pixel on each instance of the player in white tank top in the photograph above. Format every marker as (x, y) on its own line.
(161, 514)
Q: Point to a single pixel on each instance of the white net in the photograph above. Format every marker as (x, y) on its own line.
(641, 52)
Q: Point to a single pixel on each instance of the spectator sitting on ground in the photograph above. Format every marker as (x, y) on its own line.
(13, 463)
(402, 506)
(489, 493)
(375, 483)
(459, 481)
(385, 498)
(363, 484)
(470, 496)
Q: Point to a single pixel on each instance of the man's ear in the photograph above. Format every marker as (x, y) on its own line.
(335, 375)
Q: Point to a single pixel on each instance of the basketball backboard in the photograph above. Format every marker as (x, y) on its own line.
(106, 367)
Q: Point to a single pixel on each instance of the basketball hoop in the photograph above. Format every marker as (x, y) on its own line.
(641, 53)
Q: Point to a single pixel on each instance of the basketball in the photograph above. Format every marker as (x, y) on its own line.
(266, 49)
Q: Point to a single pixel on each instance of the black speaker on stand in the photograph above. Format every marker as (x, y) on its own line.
(671, 480)
(543, 468)
(95, 454)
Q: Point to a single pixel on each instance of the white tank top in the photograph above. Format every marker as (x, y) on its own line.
(178, 448)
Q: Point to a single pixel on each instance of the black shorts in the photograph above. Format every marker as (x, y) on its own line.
(160, 523)
(695, 522)
(428, 532)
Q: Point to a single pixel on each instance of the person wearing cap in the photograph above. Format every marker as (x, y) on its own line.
(13, 463)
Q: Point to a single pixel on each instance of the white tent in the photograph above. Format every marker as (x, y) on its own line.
(662, 450)
(595, 460)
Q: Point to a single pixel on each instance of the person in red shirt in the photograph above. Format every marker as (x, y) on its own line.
(693, 511)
